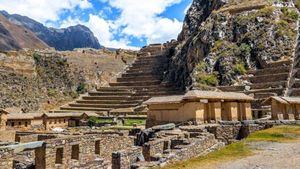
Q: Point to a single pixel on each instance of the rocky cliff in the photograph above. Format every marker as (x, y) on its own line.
(221, 40)
(78, 36)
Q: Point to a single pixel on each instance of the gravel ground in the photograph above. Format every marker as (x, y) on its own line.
(268, 155)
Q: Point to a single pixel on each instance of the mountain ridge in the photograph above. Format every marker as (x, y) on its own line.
(78, 36)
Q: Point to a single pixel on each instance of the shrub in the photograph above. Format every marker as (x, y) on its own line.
(36, 57)
(207, 79)
(51, 92)
(81, 88)
(239, 68)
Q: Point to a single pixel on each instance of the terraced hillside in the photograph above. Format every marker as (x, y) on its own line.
(140, 81)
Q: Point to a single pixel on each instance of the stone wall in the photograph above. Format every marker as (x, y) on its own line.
(6, 158)
(125, 158)
(93, 150)
(7, 136)
(26, 138)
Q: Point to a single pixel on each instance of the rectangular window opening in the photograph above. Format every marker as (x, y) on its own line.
(75, 152)
(59, 156)
(97, 147)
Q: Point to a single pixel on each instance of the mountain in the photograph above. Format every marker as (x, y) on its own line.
(78, 36)
(14, 37)
(222, 39)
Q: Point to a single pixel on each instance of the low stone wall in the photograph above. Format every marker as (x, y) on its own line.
(7, 136)
(125, 158)
(82, 150)
(26, 138)
(152, 148)
(112, 143)
(6, 158)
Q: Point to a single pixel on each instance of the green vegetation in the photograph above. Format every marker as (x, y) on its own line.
(92, 121)
(36, 57)
(276, 134)
(52, 92)
(240, 149)
(289, 14)
(239, 68)
(131, 122)
(81, 88)
(207, 79)
(230, 152)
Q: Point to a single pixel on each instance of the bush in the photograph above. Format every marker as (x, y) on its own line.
(240, 69)
(37, 57)
(81, 88)
(52, 92)
(207, 79)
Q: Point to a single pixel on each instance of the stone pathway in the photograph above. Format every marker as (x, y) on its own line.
(268, 155)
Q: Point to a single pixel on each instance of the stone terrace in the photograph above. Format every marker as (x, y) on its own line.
(269, 81)
(139, 82)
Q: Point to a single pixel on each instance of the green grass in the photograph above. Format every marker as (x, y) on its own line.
(230, 152)
(131, 122)
(240, 149)
(277, 134)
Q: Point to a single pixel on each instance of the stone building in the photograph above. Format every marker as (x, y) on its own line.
(3, 119)
(199, 106)
(46, 121)
(284, 108)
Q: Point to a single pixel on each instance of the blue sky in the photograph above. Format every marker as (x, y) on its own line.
(116, 23)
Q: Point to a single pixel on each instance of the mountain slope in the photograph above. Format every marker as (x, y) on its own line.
(222, 39)
(14, 37)
(78, 36)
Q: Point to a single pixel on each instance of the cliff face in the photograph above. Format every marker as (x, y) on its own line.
(231, 40)
(78, 36)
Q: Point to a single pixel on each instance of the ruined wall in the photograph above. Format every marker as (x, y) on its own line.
(125, 158)
(7, 136)
(6, 158)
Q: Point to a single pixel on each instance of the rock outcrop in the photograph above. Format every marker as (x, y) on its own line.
(78, 36)
(219, 47)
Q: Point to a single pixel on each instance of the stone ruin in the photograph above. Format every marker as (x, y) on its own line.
(152, 147)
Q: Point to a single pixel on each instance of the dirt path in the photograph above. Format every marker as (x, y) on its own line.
(268, 155)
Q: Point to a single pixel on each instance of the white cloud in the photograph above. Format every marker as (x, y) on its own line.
(141, 19)
(42, 10)
(102, 30)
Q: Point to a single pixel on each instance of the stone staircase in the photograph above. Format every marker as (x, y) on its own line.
(269, 81)
(139, 82)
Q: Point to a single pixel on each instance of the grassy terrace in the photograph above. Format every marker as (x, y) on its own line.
(240, 149)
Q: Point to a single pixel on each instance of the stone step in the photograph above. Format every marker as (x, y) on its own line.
(84, 109)
(110, 93)
(278, 91)
(231, 88)
(279, 63)
(157, 93)
(108, 101)
(269, 78)
(145, 68)
(264, 95)
(296, 84)
(271, 70)
(148, 62)
(133, 83)
(113, 97)
(145, 73)
(278, 84)
(153, 57)
(111, 106)
(160, 87)
(295, 92)
(116, 89)
(138, 78)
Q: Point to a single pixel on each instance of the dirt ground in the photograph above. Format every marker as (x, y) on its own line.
(267, 155)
